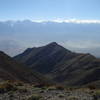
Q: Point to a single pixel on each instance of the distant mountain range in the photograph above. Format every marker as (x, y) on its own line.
(62, 65)
(81, 37)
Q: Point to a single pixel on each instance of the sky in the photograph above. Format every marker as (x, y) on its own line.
(49, 9)
(75, 24)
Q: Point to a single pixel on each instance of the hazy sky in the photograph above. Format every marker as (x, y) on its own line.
(79, 32)
(49, 9)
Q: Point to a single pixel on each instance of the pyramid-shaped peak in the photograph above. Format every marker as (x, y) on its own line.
(57, 46)
(53, 43)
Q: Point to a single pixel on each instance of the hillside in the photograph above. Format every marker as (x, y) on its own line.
(80, 70)
(62, 65)
(43, 59)
(12, 70)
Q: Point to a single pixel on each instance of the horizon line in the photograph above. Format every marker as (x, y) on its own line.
(76, 21)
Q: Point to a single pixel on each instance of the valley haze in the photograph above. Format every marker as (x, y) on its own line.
(73, 34)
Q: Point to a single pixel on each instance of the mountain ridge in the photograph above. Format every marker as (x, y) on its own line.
(45, 54)
(12, 70)
(62, 65)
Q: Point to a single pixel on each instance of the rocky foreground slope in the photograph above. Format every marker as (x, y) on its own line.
(21, 91)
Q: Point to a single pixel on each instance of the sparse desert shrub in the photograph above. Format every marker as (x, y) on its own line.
(35, 97)
(11, 96)
(91, 87)
(7, 86)
(69, 88)
(61, 96)
(95, 97)
(91, 92)
(39, 85)
(51, 88)
(22, 90)
(60, 87)
(73, 98)
(19, 83)
(41, 91)
(44, 88)
(97, 92)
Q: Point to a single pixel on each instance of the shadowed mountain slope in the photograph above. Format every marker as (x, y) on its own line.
(43, 59)
(12, 70)
(78, 71)
(62, 65)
